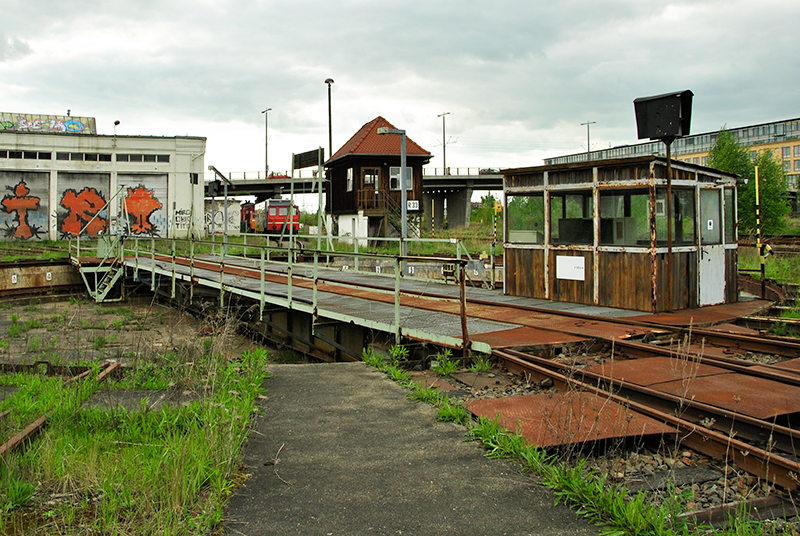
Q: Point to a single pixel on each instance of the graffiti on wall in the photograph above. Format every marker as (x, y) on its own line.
(47, 123)
(21, 205)
(82, 207)
(82, 204)
(145, 203)
(140, 205)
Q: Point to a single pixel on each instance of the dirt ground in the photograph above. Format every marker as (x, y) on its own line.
(78, 330)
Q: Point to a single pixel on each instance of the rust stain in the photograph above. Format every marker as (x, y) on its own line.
(564, 418)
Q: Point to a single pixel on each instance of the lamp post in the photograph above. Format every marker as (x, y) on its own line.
(403, 192)
(444, 143)
(266, 141)
(588, 142)
(329, 81)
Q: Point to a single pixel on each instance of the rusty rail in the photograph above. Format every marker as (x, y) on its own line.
(770, 466)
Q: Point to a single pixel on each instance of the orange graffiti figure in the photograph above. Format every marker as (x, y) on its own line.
(140, 204)
(82, 208)
(21, 203)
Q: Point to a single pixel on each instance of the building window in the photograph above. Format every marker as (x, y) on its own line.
(571, 218)
(787, 152)
(683, 220)
(797, 151)
(787, 165)
(696, 160)
(163, 158)
(394, 178)
(625, 218)
(525, 215)
(371, 178)
(349, 179)
(752, 156)
(705, 160)
(797, 165)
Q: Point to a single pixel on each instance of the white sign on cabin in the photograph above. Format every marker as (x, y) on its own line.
(572, 268)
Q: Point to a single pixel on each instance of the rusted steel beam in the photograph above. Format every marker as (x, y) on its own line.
(110, 369)
(17, 440)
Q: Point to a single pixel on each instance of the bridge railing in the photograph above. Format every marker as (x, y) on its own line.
(161, 256)
(304, 174)
(460, 171)
(311, 173)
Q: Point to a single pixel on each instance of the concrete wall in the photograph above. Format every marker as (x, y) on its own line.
(234, 217)
(54, 184)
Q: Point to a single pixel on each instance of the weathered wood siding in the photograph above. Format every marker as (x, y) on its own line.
(566, 289)
(524, 272)
(625, 280)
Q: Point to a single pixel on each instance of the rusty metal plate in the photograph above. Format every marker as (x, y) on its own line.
(791, 364)
(706, 316)
(738, 393)
(483, 380)
(733, 328)
(563, 418)
(429, 379)
(649, 371)
(527, 337)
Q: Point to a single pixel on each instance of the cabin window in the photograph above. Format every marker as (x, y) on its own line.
(525, 215)
(683, 220)
(394, 178)
(625, 218)
(730, 216)
(572, 218)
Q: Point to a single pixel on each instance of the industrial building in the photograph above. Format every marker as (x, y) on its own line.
(780, 137)
(62, 178)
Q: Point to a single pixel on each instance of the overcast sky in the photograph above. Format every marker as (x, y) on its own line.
(517, 77)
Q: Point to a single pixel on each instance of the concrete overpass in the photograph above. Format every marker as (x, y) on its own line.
(452, 187)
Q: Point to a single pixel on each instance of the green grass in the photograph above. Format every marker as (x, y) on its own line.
(781, 268)
(444, 364)
(113, 471)
(617, 511)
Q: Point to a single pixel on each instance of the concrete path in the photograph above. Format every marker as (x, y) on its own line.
(355, 456)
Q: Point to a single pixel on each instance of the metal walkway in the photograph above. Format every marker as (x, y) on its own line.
(426, 310)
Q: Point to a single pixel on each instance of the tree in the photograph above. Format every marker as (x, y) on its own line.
(485, 212)
(728, 155)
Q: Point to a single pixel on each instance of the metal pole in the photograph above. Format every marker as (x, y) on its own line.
(588, 142)
(670, 218)
(444, 143)
(403, 201)
(759, 243)
(266, 141)
(329, 81)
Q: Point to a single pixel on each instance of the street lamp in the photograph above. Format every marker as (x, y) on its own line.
(403, 192)
(266, 141)
(444, 143)
(329, 81)
(588, 140)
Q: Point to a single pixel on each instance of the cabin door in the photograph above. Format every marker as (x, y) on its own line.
(711, 272)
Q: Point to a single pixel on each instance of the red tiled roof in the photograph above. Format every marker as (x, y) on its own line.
(367, 141)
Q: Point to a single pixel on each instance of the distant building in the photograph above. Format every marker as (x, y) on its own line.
(363, 197)
(781, 137)
(60, 178)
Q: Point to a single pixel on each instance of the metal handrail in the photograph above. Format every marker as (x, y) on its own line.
(138, 252)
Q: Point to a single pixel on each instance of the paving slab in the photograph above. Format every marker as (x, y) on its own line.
(339, 449)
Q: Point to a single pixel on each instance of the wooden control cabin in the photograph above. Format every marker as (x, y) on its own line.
(597, 233)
